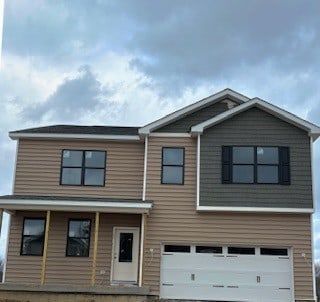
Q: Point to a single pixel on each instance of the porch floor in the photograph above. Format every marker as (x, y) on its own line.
(76, 289)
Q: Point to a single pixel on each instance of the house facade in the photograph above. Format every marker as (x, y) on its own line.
(211, 202)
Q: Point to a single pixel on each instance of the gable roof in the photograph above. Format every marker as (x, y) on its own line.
(137, 133)
(226, 93)
(68, 131)
(313, 130)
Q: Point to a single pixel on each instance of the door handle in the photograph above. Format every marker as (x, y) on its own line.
(258, 279)
(192, 277)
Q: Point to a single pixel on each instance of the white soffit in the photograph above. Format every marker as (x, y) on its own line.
(191, 108)
(282, 114)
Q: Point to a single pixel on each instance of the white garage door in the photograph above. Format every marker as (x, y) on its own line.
(227, 273)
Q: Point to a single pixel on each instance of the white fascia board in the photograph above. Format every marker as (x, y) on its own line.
(254, 209)
(74, 136)
(80, 206)
(312, 129)
(175, 115)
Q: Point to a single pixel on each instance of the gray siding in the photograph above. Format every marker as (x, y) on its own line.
(184, 124)
(255, 127)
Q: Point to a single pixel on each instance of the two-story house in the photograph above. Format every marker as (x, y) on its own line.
(211, 202)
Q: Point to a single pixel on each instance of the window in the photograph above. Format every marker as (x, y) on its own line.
(33, 236)
(241, 250)
(83, 168)
(274, 252)
(177, 248)
(209, 249)
(125, 248)
(172, 166)
(78, 241)
(259, 164)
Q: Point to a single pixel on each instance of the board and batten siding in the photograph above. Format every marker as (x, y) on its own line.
(255, 128)
(185, 123)
(174, 219)
(39, 164)
(61, 269)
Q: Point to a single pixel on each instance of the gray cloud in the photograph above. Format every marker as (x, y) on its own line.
(177, 43)
(63, 30)
(213, 39)
(74, 98)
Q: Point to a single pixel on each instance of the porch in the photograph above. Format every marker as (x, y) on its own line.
(115, 241)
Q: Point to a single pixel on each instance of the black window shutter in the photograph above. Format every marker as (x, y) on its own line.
(226, 164)
(284, 166)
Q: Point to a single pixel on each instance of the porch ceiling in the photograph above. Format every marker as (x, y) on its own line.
(74, 204)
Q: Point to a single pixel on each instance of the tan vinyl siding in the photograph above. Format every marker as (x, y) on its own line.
(174, 219)
(255, 128)
(185, 123)
(39, 161)
(22, 269)
(62, 269)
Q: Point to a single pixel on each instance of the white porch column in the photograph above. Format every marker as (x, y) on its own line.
(141, 254)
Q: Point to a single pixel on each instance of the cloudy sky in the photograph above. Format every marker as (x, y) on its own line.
(129, 62)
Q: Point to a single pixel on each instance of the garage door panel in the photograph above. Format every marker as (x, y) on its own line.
(276, 279)
(191, 261)
(224, 293)
(275, 264)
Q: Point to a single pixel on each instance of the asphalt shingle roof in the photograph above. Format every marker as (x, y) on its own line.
(73, 129)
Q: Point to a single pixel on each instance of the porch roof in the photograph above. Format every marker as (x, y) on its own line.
(74, 204)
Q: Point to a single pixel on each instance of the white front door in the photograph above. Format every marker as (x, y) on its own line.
(125, 255)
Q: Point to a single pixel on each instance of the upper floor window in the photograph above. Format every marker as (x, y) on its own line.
(78, 241)
(83, 168)
(33, 236)
(172, 166)
(259, 164)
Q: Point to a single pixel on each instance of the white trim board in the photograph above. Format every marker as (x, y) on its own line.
(191, 108)
(169, 134)
(141, 250)
(282, 114)
(74, 136)
(254, 209)
(145, 164)
(198, 170)
(75, 206)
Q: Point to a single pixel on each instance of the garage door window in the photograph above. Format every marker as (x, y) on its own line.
(209, 249)
(177, 248)
(274, 252)
(241, 250)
